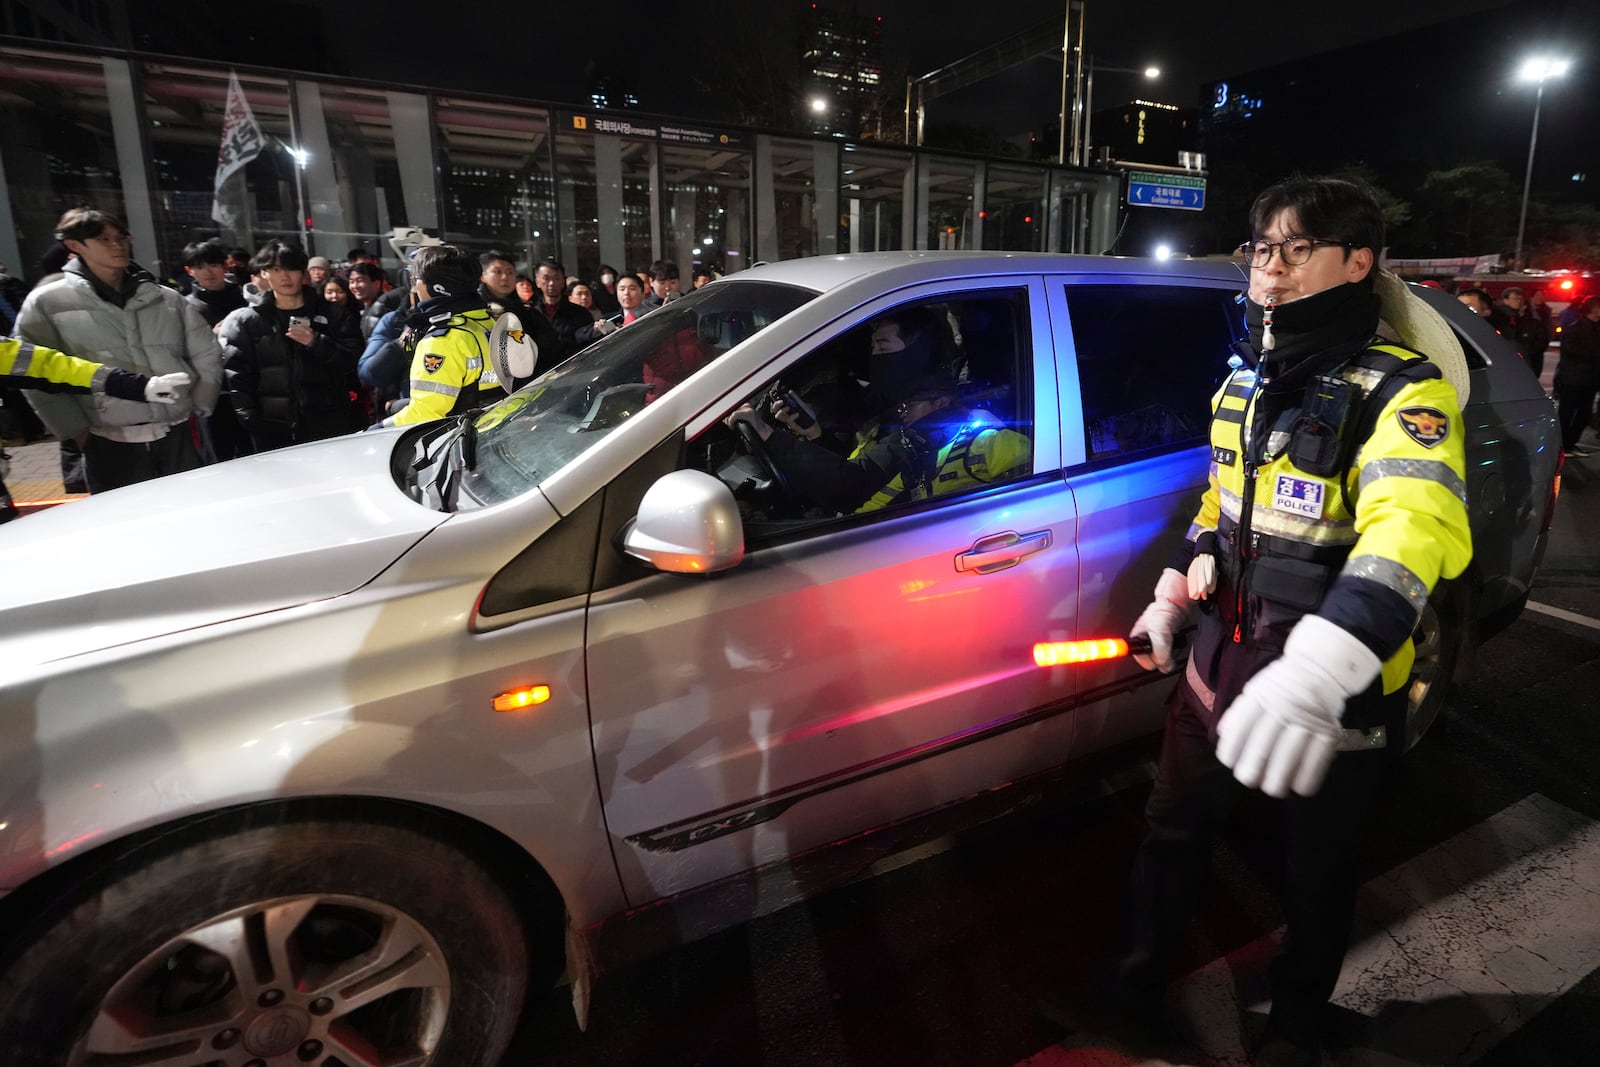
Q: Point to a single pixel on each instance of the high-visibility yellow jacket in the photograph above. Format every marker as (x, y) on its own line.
(1362, 545)
(29, 366)
(982, 450)
(449, 367)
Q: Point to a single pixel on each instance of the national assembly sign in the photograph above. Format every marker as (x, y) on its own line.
(1155, 189)
(242, 141)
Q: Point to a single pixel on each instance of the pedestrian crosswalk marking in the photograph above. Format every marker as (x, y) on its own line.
(1453, 951)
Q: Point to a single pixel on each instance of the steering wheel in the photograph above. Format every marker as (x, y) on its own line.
(750, 437)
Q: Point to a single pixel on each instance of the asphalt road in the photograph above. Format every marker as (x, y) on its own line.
(1478, 940)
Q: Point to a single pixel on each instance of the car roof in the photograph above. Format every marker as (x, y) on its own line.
(821, 273)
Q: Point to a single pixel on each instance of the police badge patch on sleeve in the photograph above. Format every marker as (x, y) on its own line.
(431, 363)
(1426, 426)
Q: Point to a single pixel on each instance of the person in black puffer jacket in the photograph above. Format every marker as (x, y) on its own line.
(290, 357)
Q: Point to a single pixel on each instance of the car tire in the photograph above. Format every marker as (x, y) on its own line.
(283, 943)
(1438, 641)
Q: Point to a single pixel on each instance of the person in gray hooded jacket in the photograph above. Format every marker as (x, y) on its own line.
(106, 308)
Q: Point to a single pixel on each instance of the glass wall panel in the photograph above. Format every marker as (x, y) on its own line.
(946, 187)
(1015, 209)
(355, 183)
(57, 148)
(184, 108)
(708, 208)
(605, 189)
(875, 189)
(495, 170)
(798, 206)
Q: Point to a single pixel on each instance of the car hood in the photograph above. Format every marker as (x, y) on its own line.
(252, 535)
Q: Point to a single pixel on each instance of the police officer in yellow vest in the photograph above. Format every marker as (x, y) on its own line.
(450, 327)
(1336, 502)
(939, 446)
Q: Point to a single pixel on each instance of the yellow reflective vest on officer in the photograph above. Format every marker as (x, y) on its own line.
(1362, 544)
(450, 367)
(981, 451)
(29, 366)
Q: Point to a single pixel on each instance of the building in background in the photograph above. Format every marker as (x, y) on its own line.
(337, 163)
(841, 60)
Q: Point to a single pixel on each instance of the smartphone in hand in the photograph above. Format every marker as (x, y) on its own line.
(802, 417)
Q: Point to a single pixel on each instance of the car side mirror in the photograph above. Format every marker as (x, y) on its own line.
(688, 523)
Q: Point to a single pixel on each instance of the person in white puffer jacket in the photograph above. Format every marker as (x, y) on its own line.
(106, 308)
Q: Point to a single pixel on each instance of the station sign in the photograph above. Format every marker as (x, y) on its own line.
(651, 130)
(1153, 189)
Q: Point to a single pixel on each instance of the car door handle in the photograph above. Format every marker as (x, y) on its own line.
(999, 551)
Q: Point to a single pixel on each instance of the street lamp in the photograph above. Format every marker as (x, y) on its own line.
(1151, 73)
(1534, 70)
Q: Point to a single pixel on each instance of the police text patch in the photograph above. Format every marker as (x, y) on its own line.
(1426, 426)
(1299, 496)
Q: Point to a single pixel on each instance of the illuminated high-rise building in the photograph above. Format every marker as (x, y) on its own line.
(841, 60)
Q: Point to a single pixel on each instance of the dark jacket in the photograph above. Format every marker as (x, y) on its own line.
(214, 305)
(286, 393)
(1580, 356)
(574, 329)
(1525, 330)
(394, 298)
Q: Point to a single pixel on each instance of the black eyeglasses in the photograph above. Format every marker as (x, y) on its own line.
(1292, 250)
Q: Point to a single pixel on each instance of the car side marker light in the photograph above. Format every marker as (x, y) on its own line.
(1059, 653)
(526, 697)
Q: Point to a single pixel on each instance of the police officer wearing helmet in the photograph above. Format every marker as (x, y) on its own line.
(451, 325)
(1336, 502)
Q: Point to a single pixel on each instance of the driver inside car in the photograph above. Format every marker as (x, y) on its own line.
(939, 446)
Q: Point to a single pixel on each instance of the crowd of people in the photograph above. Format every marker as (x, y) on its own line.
(277, 347)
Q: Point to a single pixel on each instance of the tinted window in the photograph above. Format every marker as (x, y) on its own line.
(1149, 359)
(931, 399)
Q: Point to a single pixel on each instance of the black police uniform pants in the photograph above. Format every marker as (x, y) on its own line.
(1193, 795)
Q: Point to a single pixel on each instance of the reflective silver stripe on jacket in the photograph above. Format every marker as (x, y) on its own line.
(442, 388)
(24, 358)
(474, 363)
(1350, 740)
(1300, 528)
(1390, 575)
(1430, 470)
(102, 374)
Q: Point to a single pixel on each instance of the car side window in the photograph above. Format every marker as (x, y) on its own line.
(1150, 357)
(929, 400)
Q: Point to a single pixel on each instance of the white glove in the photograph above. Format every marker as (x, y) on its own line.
(1282, 731)
(1168, 613)
(1202, 576)
(165, 388)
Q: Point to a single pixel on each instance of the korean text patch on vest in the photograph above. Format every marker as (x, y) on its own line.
(1302, 496)
(1223, 457)
(1426, 426)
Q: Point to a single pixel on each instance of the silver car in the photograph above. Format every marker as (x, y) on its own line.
(341, 752)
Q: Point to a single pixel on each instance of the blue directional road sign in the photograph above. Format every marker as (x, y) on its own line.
(1152, 189)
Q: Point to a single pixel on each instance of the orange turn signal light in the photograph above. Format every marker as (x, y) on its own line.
(526, 697)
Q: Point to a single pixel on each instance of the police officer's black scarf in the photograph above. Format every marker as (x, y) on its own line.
(440, 307)
(1316, 333)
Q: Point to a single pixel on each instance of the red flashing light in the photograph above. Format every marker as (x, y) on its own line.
(1027, 218)
(983, 214)
(1566, 284)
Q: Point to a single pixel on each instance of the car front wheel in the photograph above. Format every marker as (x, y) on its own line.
(296, 943)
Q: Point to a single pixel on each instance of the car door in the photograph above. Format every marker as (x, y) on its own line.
(853, 671)
(1139, 361)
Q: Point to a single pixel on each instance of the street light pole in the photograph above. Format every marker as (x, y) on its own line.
(1088, 106)
(1534, 70)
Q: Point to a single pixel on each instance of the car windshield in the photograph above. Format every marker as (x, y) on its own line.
(541, 428)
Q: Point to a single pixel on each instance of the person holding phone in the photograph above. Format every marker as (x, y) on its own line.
(290, 358)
